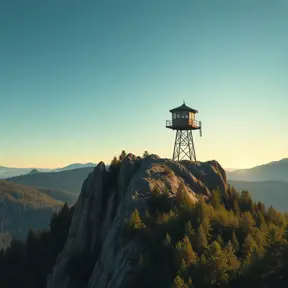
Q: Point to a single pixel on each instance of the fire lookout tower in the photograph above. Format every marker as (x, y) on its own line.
(184, 122)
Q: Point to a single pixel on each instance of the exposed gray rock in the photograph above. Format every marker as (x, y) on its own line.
(102, 208)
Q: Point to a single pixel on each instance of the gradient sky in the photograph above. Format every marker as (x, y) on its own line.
(82, 80)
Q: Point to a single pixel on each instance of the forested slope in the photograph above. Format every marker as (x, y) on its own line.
(216, 238)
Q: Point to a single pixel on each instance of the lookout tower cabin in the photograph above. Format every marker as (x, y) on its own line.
(183, 118)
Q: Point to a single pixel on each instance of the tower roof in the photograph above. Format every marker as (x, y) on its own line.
(183, 107)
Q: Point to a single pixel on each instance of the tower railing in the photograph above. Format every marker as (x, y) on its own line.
(193, 123)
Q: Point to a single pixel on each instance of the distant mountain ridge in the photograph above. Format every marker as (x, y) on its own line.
(75, 166)
(8, 172)
(68, 180)
(273, 171)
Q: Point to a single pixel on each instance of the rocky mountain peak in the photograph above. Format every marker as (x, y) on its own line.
(108, 198)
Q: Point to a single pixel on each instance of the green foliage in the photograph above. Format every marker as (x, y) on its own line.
(122, 155)
(201, 241)
(179, 283)
(145, 154)
(27, 264)
(26, 196)
(219, 242)
(186, 252)
(114, 169)
(217, 264)
(135, 221)
(216, 199)
(23, 208)
(235, 242)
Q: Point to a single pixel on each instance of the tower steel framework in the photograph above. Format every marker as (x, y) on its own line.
(184, 146)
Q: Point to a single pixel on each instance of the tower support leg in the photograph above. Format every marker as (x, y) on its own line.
(184, 146)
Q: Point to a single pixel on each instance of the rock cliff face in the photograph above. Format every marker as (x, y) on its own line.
(102, 208)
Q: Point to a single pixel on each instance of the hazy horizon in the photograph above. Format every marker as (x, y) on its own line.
(82, 81)
(83, 163)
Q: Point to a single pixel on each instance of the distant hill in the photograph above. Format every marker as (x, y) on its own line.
(273, 193)
(8, 172)
(75, 166)
(34, 171)
(68, 181)
(273, 171)
(24, 207)
(60, 195)
(26, 196)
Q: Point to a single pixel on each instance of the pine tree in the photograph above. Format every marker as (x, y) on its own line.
(235, 242)
(167, 240)
(189, 231)
(185, 201)
(217, 263)
(207, 227)
(202, 210)
(183, 267)
(261, 222)
(232, 260)
(236, 208)
(135, 221)
(246, 202)
(114, 169)
(249, 249)
(247, 222)
(275, 234)
(186, 254)
(201, 241)
(179, 283)
(114, 162)
(122, 155)
(216, 199)
(220, 241)
(145, 154)
(261, 208)
(189, 254)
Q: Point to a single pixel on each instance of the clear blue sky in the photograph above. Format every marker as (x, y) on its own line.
(82, 80)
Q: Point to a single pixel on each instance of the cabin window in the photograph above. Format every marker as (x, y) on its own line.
(174, 115)
(184, 115)
(178, 115)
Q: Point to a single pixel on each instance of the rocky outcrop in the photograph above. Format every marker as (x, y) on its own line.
(102, 208)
